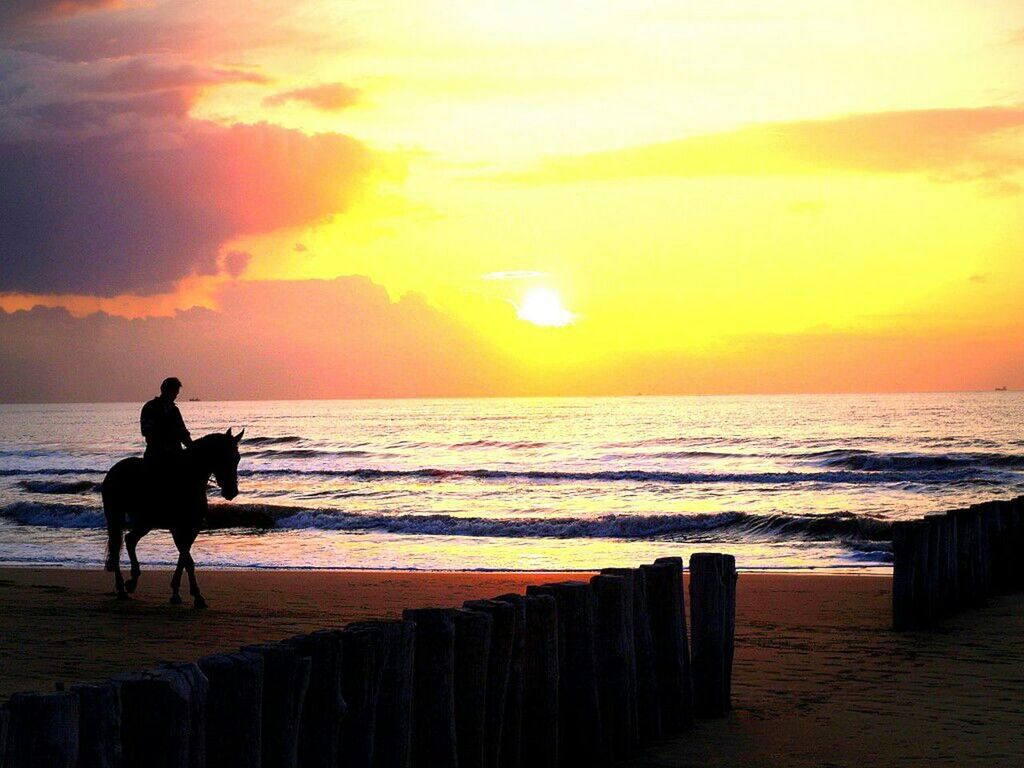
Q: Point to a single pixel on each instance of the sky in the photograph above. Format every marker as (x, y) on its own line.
(311, 198)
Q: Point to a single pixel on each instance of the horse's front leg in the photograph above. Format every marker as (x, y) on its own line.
(131, 539)
(184, 540)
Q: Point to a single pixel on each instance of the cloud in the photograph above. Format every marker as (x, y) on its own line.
(21, 11)
(948, 144)
(236, 262)
(108, 185)
(315, 338)
(330, 97)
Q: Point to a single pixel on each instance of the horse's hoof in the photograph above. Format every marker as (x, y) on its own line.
(123, 596)
(129, 586)
(175, 599)
(200, 604)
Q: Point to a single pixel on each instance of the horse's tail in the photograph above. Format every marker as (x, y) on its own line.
(115, 529)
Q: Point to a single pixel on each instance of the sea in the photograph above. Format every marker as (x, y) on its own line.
(783, 482)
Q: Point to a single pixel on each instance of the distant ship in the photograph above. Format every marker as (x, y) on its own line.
(196, 399)
(1000, 389)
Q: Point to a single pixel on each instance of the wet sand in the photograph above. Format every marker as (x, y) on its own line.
(819, 679)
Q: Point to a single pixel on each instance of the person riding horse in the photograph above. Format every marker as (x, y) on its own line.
(163, 428)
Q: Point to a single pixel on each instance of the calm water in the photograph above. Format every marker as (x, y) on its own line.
(784, 482)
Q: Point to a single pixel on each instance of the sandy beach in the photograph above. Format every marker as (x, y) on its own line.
(820, 680)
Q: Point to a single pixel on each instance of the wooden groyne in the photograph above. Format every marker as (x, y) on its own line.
(946, 563)
(572, 673)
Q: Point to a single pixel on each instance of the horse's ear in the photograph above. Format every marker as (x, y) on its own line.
(238, 437)
(228, 433)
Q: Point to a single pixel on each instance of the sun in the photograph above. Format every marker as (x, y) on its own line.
(543, 306)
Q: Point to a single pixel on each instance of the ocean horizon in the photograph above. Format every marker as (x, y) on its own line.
(789, 482)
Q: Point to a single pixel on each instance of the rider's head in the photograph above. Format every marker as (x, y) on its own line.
(170, 387)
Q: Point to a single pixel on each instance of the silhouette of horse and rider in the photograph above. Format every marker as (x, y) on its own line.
(166, 489)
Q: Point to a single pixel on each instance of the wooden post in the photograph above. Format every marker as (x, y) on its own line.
(539, 732)
(392, 746)
(434, 731)
(648, 708)
(678, 595)
(324, 708)
(191, 678)
(99, 725)
(581, 736)
(362, 671)
(163, 717)
(5, 718)
(512, 728)
(1017, 543)
(671, 650)
(617, 662)
(472, 646)
(503, 625)
(234, 710)
(285, 683)
(903, 579)
(42, 730)
(937, 582)
(708, 609)
(731, 577)
(968, 549)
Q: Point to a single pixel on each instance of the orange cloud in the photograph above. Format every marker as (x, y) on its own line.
(950, 144)
(329, 97)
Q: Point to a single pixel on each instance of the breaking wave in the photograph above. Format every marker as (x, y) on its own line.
(857, 532)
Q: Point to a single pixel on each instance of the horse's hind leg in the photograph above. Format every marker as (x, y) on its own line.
(176, 580)
(184, 540)
(130, 541)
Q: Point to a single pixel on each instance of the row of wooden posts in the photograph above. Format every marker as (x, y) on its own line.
(945, 563)
(571, 673)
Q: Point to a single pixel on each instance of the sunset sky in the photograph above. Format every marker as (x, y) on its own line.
(332, 199)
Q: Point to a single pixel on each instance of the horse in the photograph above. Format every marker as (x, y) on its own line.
(138, 499)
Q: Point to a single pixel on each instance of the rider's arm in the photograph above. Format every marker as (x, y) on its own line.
(147, 422)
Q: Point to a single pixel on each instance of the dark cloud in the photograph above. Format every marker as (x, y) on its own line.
(948, 144)
(330, 97)
(108, 186)
(236, 262)
(337, 338)
(22, 11)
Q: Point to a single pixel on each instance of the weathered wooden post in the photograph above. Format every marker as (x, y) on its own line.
(434, 732)
(731, 577)
(1017, 543)
(163, 717)
(362, 672)
(234, 710)
(968, 556)
(985, 550)
(617, 662)
(903, 562)
(937, 583)
(503, 625)
(42, 730)
(285, 683)
(539, 731)
(392, 746)
(5, 718)
(99, 725)
(512, 728)
(708, 605)
(581, 736)
(648, 707)
(324, 708)
(671, 649)
(472, 646)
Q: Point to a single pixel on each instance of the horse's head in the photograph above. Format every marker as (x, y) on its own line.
(225, 462)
